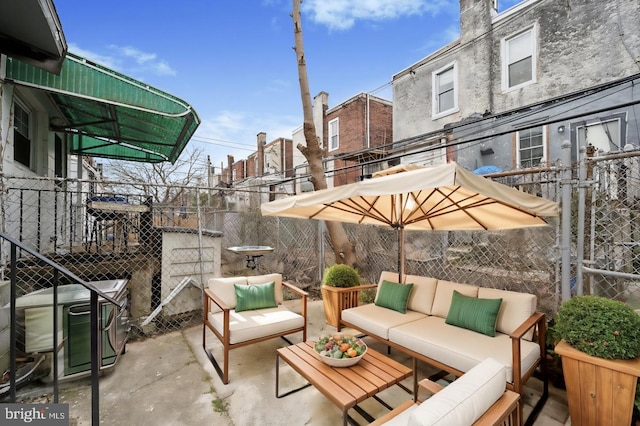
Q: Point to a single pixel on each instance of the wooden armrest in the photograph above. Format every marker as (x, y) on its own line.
(500, 410)
(215, 299)
(355, 288)
(530, 322)
(393, 413)
(295, 289)
(430, 386)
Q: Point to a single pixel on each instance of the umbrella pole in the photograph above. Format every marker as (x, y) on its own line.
(400, 253)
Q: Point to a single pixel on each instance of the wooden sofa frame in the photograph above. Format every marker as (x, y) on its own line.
(536, 322)
(211, 297)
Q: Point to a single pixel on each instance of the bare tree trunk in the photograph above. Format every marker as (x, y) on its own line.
(343, 249)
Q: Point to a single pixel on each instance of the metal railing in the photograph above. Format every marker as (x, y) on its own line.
(58, 270)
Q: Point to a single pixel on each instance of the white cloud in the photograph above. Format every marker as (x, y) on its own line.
(127, 60)
(225, 125)
(342, 15)
(145, 62)
(107, 61)
(139, 56)
(235, 133)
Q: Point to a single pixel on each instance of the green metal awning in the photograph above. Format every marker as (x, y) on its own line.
(109, 114)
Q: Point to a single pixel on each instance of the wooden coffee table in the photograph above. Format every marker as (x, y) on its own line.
(344, 386)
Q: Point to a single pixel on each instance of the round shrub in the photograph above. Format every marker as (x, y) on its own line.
(341, 275)
(600, 327)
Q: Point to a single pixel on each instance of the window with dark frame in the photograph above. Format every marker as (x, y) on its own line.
(21, 135)
(59, 157)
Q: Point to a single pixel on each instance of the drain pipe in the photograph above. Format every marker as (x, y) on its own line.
(565, 243)
(368, 122)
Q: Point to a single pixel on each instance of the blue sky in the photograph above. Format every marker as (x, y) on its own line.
(233, 60)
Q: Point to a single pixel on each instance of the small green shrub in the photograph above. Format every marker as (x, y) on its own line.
(341, 275)
(600, 327)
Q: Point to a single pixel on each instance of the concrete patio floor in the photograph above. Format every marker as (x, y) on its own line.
(168, 380)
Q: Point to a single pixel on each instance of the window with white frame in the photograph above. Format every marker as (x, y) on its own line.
(21, 135)
(267, 162)
(531, 146)
(334, 134)
(519, 59)
(445, 92)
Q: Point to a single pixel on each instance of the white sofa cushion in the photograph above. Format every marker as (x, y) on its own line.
(266, 278)
(248, 325)
(386, 276)
(389, 276)
(465, 400)
(224, 289)
(377, 320)
(514, 310)
(422, 294)
(444, 292)
(460, 348)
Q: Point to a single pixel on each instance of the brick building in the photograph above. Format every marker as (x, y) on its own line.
(358, 125)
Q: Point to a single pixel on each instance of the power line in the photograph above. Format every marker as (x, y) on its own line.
(222, 143)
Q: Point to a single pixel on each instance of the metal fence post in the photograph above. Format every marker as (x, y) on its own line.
(321, 228)
(565, 244)
(582, 183)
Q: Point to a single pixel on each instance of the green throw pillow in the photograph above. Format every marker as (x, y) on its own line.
(255, 296)
(394, 296)
(474, 313)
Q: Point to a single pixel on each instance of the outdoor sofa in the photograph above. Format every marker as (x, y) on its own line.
(478, 398)
(244, 310)
(455, 326)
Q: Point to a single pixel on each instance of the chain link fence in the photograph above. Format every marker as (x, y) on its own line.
(102, 231)
(166, 251)
(611, 226)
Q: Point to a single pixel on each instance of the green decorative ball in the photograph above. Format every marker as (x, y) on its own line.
(341, 275)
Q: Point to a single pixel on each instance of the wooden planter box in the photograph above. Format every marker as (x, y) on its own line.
(335, 299)
(600, 392)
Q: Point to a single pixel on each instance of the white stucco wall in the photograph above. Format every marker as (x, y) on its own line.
(580, 44)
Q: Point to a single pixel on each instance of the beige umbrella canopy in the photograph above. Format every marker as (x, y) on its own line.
(445, 197)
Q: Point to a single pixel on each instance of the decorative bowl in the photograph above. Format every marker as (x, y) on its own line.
(340, 350)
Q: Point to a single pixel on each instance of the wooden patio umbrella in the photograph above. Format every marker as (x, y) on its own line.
(444, 197)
